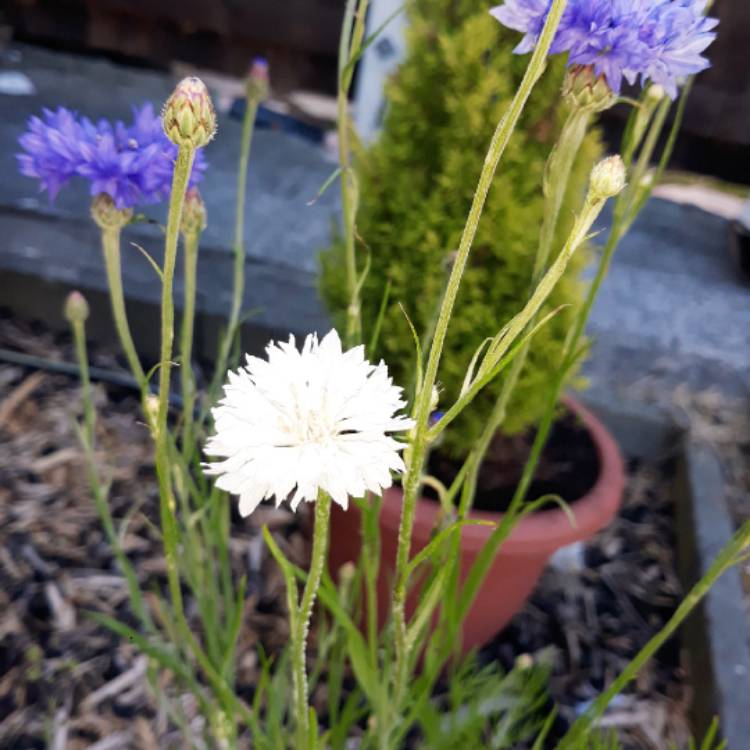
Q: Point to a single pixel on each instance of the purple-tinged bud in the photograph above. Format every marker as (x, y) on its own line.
(106, 215)
(193, 213)
(258, 81)
(584, 89)
(607, 178)
(188, 116)
(76, 308)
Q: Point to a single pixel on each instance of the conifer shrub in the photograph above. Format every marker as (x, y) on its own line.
(416, 183)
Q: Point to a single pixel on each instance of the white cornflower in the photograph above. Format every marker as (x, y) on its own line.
(307, 421)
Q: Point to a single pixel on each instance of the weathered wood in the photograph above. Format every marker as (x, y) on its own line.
(300, 37)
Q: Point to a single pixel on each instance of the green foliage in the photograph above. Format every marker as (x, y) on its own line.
(417, 183)
(486, 708)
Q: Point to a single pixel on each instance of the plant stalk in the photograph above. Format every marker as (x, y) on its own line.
(304, 613)
(556, 178)
(238, 284)
(418, 447)
(349, 192)
(190, 245)
(111, 251)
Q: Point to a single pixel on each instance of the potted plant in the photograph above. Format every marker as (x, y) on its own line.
(418, 179)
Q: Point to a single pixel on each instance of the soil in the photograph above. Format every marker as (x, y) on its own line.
(568, 467)
(66, 682)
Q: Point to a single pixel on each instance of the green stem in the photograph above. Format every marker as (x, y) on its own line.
(167, 507)
(626, 210)
(726, 559)
(478, 572)
(418, 448)
(190, 244)
(89, 414)
(349, 193)
(238, 288)
(111, 250)
(302, 621)
(98, 492)
(556, 178)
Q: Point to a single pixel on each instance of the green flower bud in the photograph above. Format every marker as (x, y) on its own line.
(586, 90)
(106, 215)
(607, 178)
(655, 93)
(76, 308)
(151, 408)
(257, 84)
(193, 213)
(188, 116)
(346, 573)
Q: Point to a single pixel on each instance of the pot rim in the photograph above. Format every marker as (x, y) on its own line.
(545, 530)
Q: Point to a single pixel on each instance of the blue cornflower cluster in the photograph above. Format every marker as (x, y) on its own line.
(648, 40)
(131, 163)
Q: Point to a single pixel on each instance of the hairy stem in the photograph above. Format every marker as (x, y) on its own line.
(111, 250)
(190, 245)
(557, 176)
(238, 283)
(304, 613)
(349, 193)
(418, 448)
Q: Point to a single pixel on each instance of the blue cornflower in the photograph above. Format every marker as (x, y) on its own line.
(661, 41)
(52, 153)
(130, 163)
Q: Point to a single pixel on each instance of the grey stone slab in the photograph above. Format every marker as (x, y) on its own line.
(43, 256)
(718, 633)
(673, 293)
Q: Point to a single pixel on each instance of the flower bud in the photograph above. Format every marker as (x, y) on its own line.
(434, 398)
(586, 90)
(188, 116)
(106, 214)
(607, 178)
(655, 93)
(193, 213)
(257, 85)
(76, 308)
(524, 662)
(647, 181)
(151, 409)
(346, 572)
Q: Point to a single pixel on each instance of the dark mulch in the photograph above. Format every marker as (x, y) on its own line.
(68, 684)
(598, 604)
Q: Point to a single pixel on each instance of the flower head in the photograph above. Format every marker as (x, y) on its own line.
(188, 117)
(106, 215)
(304, 421)
(258, 79)
(132, 164)
(51, 149)
(193, 220)
(655, 40)
(607, 178)
(76, 308)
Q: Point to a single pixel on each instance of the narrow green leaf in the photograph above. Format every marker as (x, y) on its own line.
(472, 366)
(328, 182)
(153, 263)
(287, 570)
(374, 339)
(427, 551)
(417, 347)
(370, 39)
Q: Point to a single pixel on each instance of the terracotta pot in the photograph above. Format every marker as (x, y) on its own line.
(521, 559)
